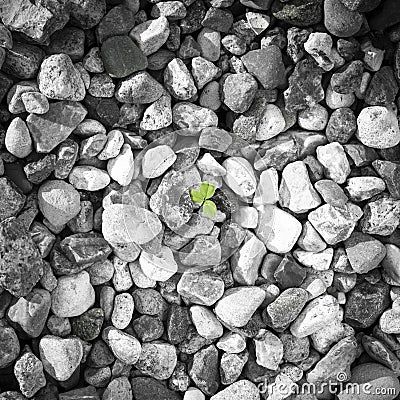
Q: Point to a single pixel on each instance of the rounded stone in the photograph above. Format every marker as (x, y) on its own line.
(73, 295)
(157, 160)
(339, 20)
(313, 118)
(123, 310)
(378, 127)
(18, 141)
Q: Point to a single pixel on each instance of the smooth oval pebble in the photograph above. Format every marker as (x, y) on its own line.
(123, 310)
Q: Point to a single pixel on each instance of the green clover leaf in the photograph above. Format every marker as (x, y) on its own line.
(207, 190)
(196, 196)
(209, 208)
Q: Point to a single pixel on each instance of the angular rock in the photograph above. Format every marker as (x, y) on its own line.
(390, 173)
(379, 352)
(335, 224)
(285, 309)
(240, 390)
(239, 176)
(378, 127)
(364, 187)
(138, 88)
(158, 115)
(205, 322)
(160, 266)
(335, 362)
(58, 79)
(21, 265)
(118, 21)
(12, 199)
(365, 304)
(33, 20)
(10, 348)
(278, 229)
(238, 305)
(383, 88)
(157, 160)
(18, 140)
(179, 81)
(203, 251)
(122, 223)
(118, 389)
(391, 264)
(296, 191)
(188, 115)
(204, 370)
(125, 347)
(238, 91)
(50, 129)
(28, 370)
(339, 20)
(203, 71)
(88, 325)
(305, 88)
(231, 366)
(151, 35)
(144, 388)
(246, 262)
(59, 202)
(334, 160)
(89, 178)
(266, 65)
(269, 349)
(203, 288)
(348, 80)
(172, 200)
(121, 57)
(317, 314)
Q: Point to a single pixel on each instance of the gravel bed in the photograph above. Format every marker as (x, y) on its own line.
(199, 199)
